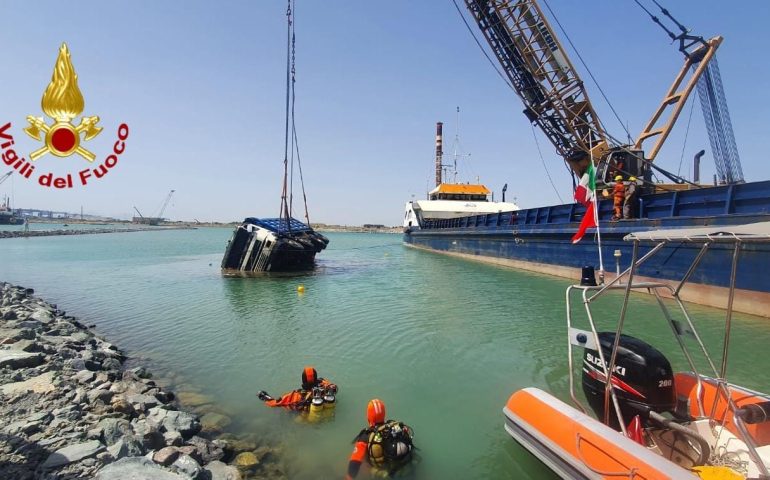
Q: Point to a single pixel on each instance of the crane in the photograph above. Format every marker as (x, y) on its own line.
(5, 177)
(140, 213)
(165, 204)
(555, 98)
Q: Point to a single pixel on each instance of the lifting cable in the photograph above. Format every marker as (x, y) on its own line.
(534, 135)
(284, 204)
(686, 133)
(292, 73)
(590, 73)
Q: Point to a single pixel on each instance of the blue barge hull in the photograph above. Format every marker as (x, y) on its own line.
(540, 239)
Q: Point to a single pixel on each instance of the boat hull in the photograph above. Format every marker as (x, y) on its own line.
(541, 240)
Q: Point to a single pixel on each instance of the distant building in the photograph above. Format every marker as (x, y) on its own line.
(373, 225)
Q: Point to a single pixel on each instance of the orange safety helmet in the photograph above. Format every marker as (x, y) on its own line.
(375, 412)
(309, 378)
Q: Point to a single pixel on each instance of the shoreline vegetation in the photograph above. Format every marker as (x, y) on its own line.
(70, 407)
(321, 227)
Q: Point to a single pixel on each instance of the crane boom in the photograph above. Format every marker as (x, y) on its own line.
(140, 213)
(542, 75)
(5, 177)
(165, 204)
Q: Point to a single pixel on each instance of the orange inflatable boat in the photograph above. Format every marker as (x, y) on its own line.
(648, 422)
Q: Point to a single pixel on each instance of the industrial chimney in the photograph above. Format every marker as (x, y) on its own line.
(439, 150)
(696, 166)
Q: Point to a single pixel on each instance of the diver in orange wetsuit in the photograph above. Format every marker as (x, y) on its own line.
(386, 445)
(618, 197)
(300, 398)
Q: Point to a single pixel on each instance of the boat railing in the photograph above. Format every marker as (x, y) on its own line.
(627, 282)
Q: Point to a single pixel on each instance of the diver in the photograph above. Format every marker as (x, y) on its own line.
(313, 389)
(386, 444)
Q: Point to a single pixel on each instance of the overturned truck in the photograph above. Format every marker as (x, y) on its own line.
(272, 245)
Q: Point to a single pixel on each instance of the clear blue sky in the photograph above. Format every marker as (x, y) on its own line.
(201, 85)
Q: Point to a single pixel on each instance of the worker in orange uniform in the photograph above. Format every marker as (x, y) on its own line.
(386, 445)
(629, 200)
(618, 197)
(301, 398)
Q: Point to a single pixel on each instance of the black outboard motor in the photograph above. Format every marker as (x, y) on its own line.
(643, 379)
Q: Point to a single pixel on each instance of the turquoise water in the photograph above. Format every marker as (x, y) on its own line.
(442, 341)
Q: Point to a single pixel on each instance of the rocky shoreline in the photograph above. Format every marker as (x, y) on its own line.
(51, 233)
(69, 409)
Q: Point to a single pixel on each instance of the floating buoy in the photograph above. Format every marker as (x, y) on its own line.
(300, 288)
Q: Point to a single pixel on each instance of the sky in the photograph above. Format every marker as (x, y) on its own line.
(201, 86)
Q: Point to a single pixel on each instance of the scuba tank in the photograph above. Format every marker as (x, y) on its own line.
(315, 412)
(330, 397)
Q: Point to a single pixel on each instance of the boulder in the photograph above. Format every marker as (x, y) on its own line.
(136, 468)
(192, 399)
(169, 420)
(166, 456)
(19, 359)
(214, 422)
(41, 315)
(220, 471)
(246, 460)
(73, 453)
(126, 446)
(113, 429)
(206, 450)
(40, 384)
(187, 465)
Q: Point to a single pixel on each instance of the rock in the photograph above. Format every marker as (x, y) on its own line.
(19, 359)
(173, 438)
(214, 422)
(126, 446)
(111, 364)
(119, 404)
(43, 417)
(262, 453)
(169, 420)
(73, 453)
(40, 384)
(206, 450)
(187, 465)
(136, 468)
(113, 429)
(240, 445)
(192, 399)
(26, 346)
(10, 315)
(99, 394)
(41, 315)
(246, 460)
(85, 376)
(143, 401)
(220, 471)
(166, 456)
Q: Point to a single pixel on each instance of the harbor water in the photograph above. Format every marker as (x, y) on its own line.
(442, 341)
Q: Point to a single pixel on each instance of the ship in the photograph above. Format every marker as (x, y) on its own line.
(541, 239)
(451, 199)
(283, 243)
(7, 216)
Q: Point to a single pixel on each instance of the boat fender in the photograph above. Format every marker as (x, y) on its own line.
(754, 413)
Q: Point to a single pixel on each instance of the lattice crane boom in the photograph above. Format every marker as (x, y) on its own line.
(543, 76)
(165, 204)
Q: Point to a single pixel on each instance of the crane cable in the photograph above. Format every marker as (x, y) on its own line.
(590, 73)
(284, 204)
(542, 160)
(686, 133)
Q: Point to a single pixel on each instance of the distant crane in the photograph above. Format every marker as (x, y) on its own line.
(5, 177)
(165, 204)
(140, 213)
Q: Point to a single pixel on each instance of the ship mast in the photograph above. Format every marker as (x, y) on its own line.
(439, 150)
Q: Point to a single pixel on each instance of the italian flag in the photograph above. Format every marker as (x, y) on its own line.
(585, 193)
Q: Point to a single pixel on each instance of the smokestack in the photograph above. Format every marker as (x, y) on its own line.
(439, 150)
(696, 166)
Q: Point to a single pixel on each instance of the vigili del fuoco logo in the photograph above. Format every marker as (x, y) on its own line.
(62, 102)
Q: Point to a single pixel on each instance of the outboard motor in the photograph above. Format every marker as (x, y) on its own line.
(642, 378)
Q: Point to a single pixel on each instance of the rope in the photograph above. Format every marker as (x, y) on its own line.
(542, 160)
(686, 133)
(590, 74)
